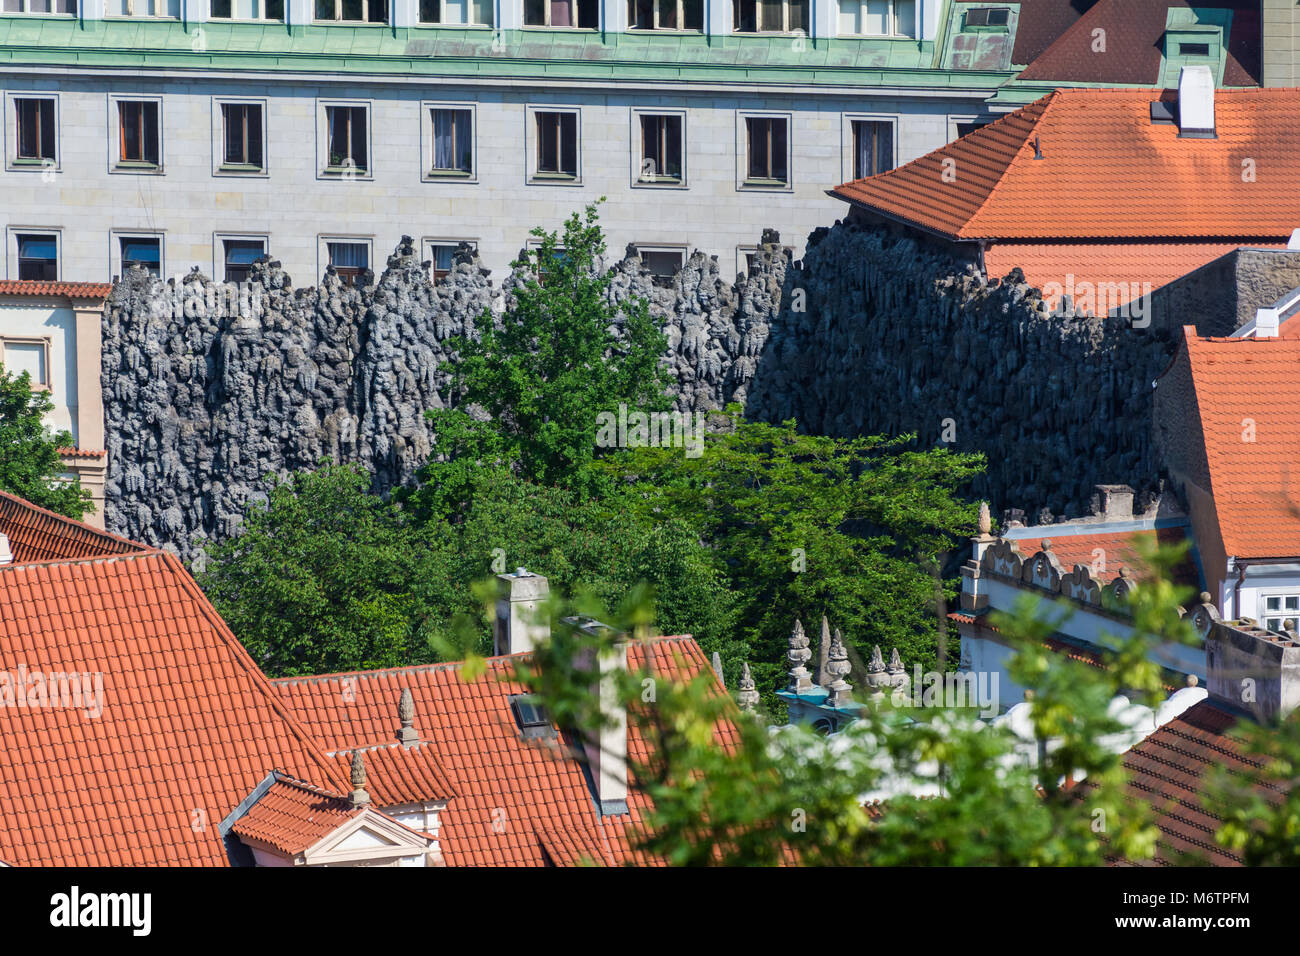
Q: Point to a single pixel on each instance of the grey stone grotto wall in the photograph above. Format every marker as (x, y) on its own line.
(870, 333)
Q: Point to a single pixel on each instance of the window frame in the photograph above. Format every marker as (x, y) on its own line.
(219, 165)
(1282, 615)
(532, 144)
(116, 164)
(46, 344)
(746, 183)
(427, 173)
(261, 18)
(180, 11)
(12, 160)
(442, 17)
(324, 241)
(427, 244)
(785, 30)
(219, 240)
(638, 145)
(73, 14)
(849, 153)
(546, 6)
(117, 266)
(680, 249)
(744, 252)
(12, 244)
(680, 6)
(895, 33)
(365, 21)
(323, 168)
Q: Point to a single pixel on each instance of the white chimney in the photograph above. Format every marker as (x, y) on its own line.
(520, 622)
(1253, 669)
(606, 749)
(1267, 322)
(6, 553)
(1196, 102)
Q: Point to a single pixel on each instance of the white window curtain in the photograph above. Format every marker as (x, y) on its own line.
(348, 255)
(451, 140)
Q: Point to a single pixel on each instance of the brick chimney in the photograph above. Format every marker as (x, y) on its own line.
(1196, 102)
(518, 627)
(1253, 670)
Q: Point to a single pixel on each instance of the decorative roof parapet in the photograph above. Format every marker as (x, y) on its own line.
(837, 667)
(747, 695)
(798, 655)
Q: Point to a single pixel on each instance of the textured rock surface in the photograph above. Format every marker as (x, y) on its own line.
(871, 333)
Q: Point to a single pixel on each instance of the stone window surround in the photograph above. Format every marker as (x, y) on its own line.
(428, 242)
(635, 146)
(742, 150)
(219, 134)
(47, 346)
(115, 163)
(846, 138)
(219, 249)
(427, 174)
(323, 253)
(11, 245)
(323, 140)
(9, 121)
(115, 248)
(530, 144)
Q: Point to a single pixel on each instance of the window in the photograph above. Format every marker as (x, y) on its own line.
(347, 137)
(38, 256)
(138, 132)
(878, 18)
(349, 259)
(1193, 49)
(873, 147)
(40, 6)
(662, 263)
(988, 17)
(475, 12)
(747, 255)
(442, 255)
(27, 355)
(36, 129)
(240, 254)
(1281, 610)
(767, 153)
(665, 14)
(241, 136)
(453, 142)
(661, 149)
(965, 129)
(557, 145)
(143, 8)
(531, 716)
(770, 16)
(354, 11)
(248, 9)
(562, 13)
(141, 251)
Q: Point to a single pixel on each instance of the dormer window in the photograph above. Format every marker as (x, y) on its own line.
(1193, 49)
(531, 716)
(988, 17)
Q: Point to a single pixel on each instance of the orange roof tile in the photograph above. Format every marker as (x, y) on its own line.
(1248, 389)
(517, 802)
(71, 290)
(1106, 551)
(37, 534)
(1106, 172)
(398, 776)
(293, 816)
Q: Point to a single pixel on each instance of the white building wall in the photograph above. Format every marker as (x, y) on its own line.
(21, 320)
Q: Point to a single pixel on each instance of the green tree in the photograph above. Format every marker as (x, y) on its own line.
(548, 367)
(29, 457)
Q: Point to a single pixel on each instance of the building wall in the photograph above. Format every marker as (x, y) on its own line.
(1281, 29)
(89, 205)
(55, 323)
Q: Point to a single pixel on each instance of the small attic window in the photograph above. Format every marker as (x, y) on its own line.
(531, 716)
(1193, 49)
(988, 17)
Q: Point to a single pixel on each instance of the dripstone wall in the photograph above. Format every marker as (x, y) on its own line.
(872, 332)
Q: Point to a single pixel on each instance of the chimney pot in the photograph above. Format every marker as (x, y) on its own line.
(518, 627)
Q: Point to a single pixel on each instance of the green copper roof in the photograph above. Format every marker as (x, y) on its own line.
(440, 51)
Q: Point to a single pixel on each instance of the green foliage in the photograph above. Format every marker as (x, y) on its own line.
(1261, 813)
(547, 369)
(29, 458)
(805, 525)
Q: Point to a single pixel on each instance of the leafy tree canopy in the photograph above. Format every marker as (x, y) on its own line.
(29, 458)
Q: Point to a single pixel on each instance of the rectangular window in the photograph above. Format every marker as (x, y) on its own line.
(248, 10)
(143, 8)
(1281, 610)
(665, 14)
(453, 142)
(242, 136)
(349, 259)
(40, 6)
(347, 137)
(138, 130)
(27, 355)
(353, 11)
(442, 255)
(873, 147)
(240, 254)
(562, 13)
(878, 18)
(661, 149)
(143, 252)
(662, 264)
(36, 129)
(531, 716)
(988, 17)
(1193, 49)
(767, 151)
(557, 145)
(965, 129)
(38, 257)
(456, 12)
(770, 16)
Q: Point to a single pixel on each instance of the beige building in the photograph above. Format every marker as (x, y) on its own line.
(52, 330)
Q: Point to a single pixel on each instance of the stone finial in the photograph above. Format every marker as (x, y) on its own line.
(1192, 680)
(984, 523)
(359, 796)
(837, 668)
(747, 696)
(877, 676)
(717, 668)
(406, 734)
(898, 678)
(820, 675)
(798, 655)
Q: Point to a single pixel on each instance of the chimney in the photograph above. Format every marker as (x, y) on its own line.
(518, 627)
(1267, 322)
(1252, 669)
(6, 553)
(1116, 502)
(606, 747)
(1196, 102)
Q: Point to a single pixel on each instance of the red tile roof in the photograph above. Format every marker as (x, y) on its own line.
(1108, 551)
(1243, 385)
(189, 726)
(1107, 173)
(1041, 22)
(518, 802)
(71, 290)
(398, 776)
(36, 534)
(1134, 44)
(1169, 770)
(293, 816)
(82, 452)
